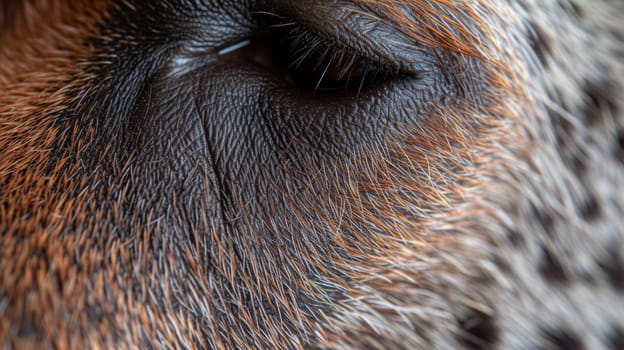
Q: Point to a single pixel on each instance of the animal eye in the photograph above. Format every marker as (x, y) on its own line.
(310, 61)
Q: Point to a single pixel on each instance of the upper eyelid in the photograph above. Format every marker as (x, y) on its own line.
(356, 28)
(336, 44)
(293, 26)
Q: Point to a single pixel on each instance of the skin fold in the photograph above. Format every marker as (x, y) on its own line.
(192, 174)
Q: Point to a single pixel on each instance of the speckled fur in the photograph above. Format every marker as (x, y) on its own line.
(499, 225)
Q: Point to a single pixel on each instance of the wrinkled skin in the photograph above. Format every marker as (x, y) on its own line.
(158, 192)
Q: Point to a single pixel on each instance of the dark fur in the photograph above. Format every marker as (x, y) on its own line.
(153, 194)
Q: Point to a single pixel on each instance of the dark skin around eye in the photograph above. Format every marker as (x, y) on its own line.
(311, 174)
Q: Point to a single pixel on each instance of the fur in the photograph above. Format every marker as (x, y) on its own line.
(493, 221)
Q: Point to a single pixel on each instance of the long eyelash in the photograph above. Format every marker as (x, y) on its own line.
(362, 80)
(306, 46)
(318, 84)
(317, 53)
(317, 62)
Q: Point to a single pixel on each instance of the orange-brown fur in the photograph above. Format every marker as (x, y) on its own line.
(79, 271)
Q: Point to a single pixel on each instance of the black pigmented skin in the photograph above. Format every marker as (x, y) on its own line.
(221, 182)
(193, 110)
(279, 174)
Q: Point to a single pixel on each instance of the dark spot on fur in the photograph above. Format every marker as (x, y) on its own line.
(563, 128)
(613, 267)
(478, 331)
(589, 279)
(516, 239)
(551, 268)
(540, 44)
(486, 279)
(590, 209)
(619, 152)
(599, 101)
(562, 339)
(575, 162)
(543, 218)
(572, 7)
(616, 339)
(503, 264)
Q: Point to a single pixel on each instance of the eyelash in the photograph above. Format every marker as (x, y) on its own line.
(317, 63)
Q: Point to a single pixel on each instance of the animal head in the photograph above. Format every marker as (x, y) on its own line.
(311, 174)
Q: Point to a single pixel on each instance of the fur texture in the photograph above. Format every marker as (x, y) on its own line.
(493, 220)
